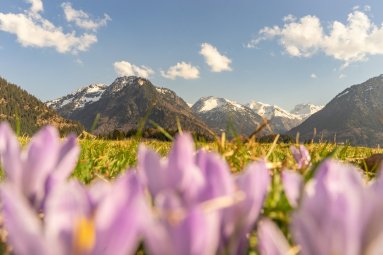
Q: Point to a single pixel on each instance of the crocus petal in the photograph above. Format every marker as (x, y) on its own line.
(152, 170)
(184, 175)
(292, 185)
(68, 153)
(301, 156)
(121, 217)
(25, 233)
(197, 233)
(158, 240)
(41, 157)
(10, 154)
(218, 180)
(254, 182)
(180, 230)
(240, 218)
(45, 163)
(181, 154)
(328, 220)
(169, 210)
(65, 207)
(98, 191)
(271, 239)
(372, 225)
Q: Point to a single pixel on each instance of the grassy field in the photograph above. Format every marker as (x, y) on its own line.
(106, 159)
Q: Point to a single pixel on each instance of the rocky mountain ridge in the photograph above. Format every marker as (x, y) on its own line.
(223, 115)
(125, 103)
(354, 116)
(219, 114)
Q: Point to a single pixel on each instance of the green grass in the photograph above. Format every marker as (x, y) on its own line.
(106, 159)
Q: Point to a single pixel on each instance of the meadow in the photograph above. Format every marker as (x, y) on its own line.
(107, 160)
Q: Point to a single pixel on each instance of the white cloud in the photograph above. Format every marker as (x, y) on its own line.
(124, 68)
(351, 42)
(32, 30)
(37, 6)
(182, 70)
(342, 76)
(313, 76)
(82, 19)
(289, 18)
(35, 31)
(298, 38)
(216, 61)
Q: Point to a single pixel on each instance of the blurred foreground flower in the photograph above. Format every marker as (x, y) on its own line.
(338, 214)
(45, 163)
(201, 208)
(293, 184)
(107, 219)
(188, 203)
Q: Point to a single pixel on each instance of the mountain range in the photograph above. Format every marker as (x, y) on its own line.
(354, 116)
(221, 114)
(123, 104)
(131, 97)
(224, 115)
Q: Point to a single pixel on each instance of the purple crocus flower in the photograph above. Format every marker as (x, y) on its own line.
(183, 188)
(301, 156)
(178, 230)
(199, 189)
(179, 172)
(293, 186)
(75, 221)
(271, 239)
(239, 219)
(46, 162)
(339, 214)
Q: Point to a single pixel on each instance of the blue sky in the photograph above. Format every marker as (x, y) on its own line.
(277, 52)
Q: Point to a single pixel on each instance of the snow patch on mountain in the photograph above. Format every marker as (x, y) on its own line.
(306, 110)
(122, 82)
(211, 103)
(270, 111)
(163, 91)
(221, 114)
(80, 97)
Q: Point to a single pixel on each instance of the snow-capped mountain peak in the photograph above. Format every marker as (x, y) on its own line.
(306, 110)
(93, 93)
(222, 114)
(210, 103)
(122, 82)
(270, 111)
(80, 97)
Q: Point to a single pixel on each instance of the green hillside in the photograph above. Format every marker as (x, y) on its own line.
(27, 113)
